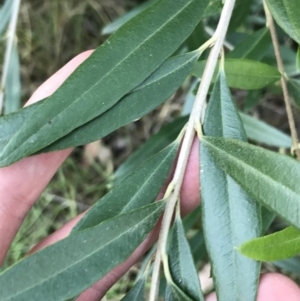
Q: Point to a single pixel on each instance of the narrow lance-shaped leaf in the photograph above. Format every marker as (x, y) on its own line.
(116, 24)
(155, 90)
(173, 293)
(70, 266)
(210, 7)
(196, 242)
(286, 14)
(298, 59)
(137, 292)
(190, 220)
(5, 14)
(267, 218)
(189, 99)
(155, 144)
(240, 13)
(291, 265)
(13, 83)
(137, 190)
(107, 75)
(244, 74)
(198, 248)
(230, 216)
(253, 47)
(10, 124)
(197, 38)
(270, 178)
(181, 264)
(280, 245)
(214, 7)
(262, 132)
(294, 89)
(151, 93)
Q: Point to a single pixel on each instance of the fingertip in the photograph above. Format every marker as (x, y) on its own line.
(60, 234)
(56, 80)
(211, 297)
(277, 287)
(273, 287)
(190, 192)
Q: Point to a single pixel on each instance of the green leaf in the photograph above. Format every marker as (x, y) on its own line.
(267, 218)
(230, 217)
(276, 246)
(291, 265)
(240, 14)
(13, 83)
(64, 269)
(298, 59)
(197, 38)
(137, 292)
(173, 293)
(116, 24)
(252, 99)
(181, 263)
(190, 220)
(209, 8)
(253, 47)
(161, 85)
(10, 124)
(286, 14)
(5, 14)
(112, 71)
(262, 132)
(244, 74)
(294, 88)
(270, 178)
(197, 245)
(190, 99)
(153, 145)
(137, 190)
(151, 93)
(214, 7)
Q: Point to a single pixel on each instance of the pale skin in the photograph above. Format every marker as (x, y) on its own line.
(23, 182)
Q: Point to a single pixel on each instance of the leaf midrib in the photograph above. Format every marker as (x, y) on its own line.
(281, 244)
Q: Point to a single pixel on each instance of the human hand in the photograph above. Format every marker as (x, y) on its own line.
(22, 183)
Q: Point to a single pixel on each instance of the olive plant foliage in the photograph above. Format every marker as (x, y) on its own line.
(150, 53)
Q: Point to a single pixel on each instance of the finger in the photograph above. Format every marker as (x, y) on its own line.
(190, 200)
(22, 183)
(273, 287)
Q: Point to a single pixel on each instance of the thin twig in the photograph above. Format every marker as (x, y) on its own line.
(9, 45)
(286, 96)
(193, 123)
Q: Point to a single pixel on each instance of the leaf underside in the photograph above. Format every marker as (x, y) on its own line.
(230, 216)
(270, 178)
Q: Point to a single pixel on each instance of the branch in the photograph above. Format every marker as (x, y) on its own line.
(193, 123)
(286, 96)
